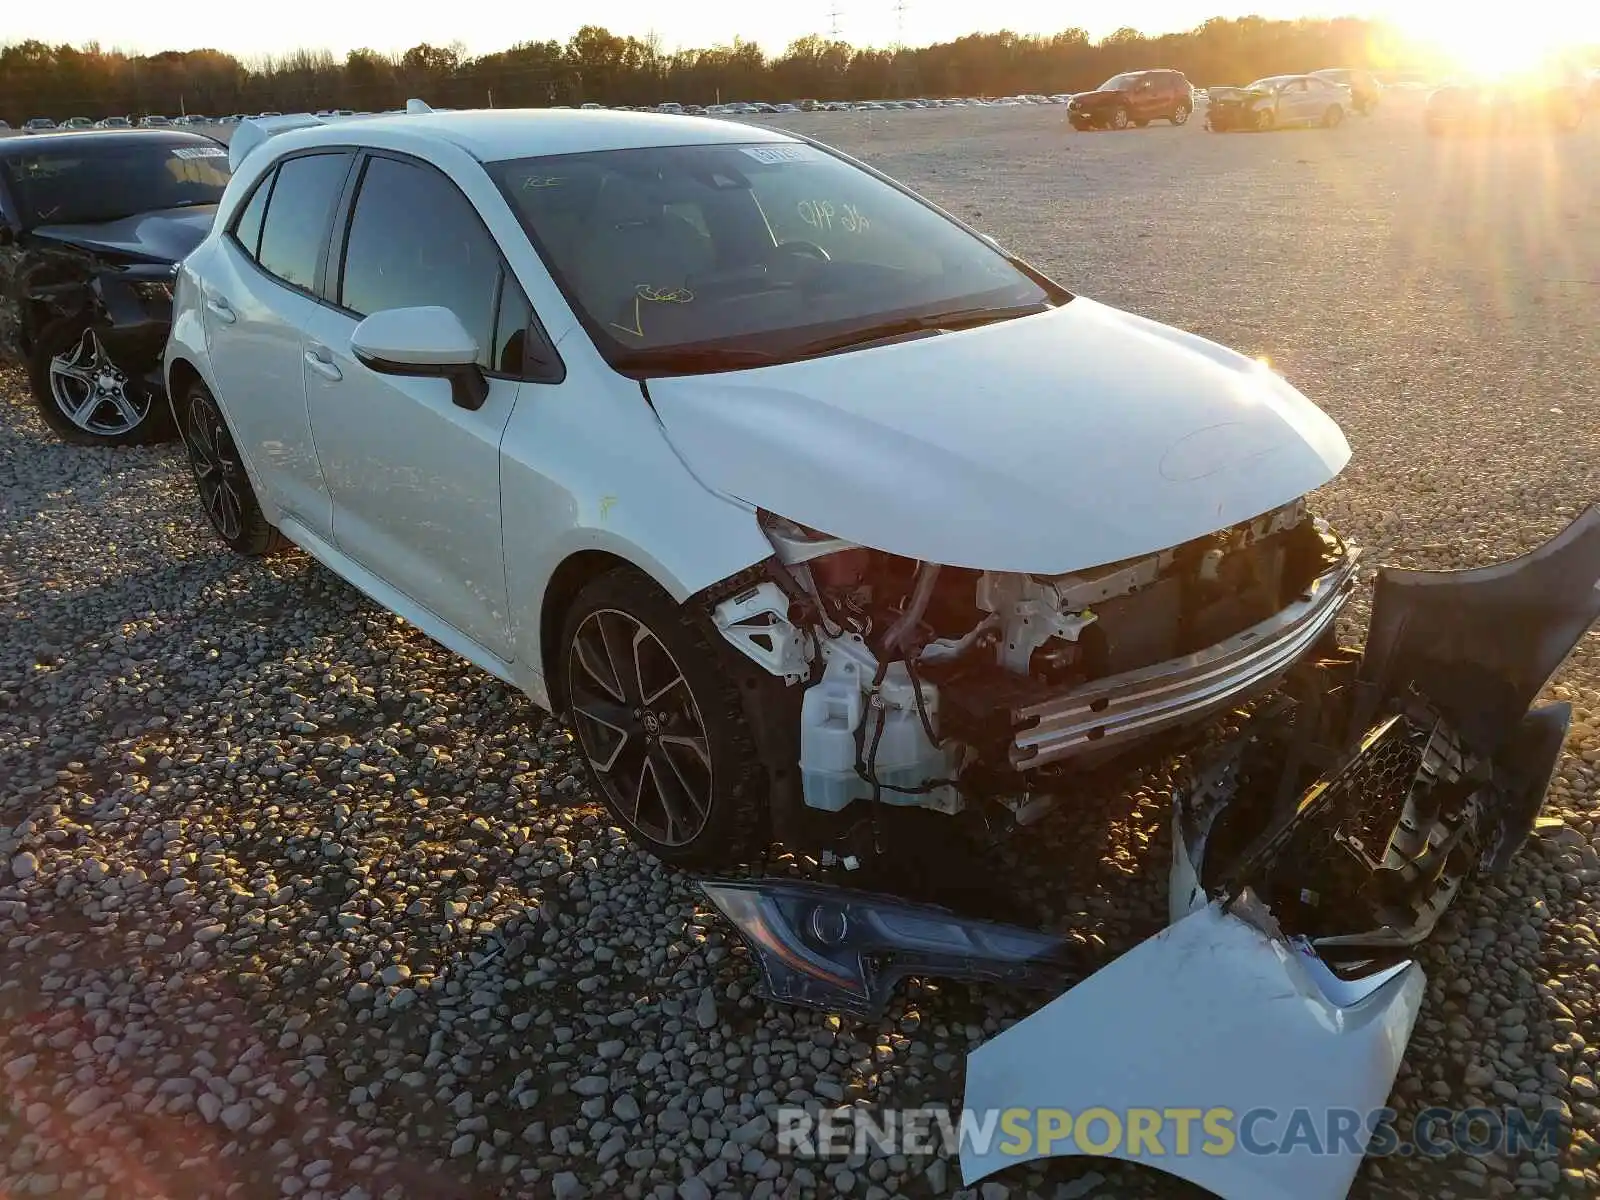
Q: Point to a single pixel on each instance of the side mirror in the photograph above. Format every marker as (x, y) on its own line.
(427, 342)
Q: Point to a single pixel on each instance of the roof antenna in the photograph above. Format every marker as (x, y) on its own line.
(418, 106)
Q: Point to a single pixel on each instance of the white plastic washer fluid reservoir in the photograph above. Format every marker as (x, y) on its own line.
(832, 711)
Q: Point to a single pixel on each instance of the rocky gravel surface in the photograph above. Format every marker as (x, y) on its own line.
(295, 903)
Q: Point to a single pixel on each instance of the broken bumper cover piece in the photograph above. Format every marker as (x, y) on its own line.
(1185, 691)
(1211, 1013)
(841, 950)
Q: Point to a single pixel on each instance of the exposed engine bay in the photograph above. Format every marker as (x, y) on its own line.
(1320, 832)
(931, 686)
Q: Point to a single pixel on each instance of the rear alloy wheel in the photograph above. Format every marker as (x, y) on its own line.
(88, 399)
(660, 723)
(1332, 117)
(225, 493)
(1180, 115)
(1265, 119)
(1119, 118)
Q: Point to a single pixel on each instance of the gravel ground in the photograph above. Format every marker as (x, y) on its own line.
(295, 903)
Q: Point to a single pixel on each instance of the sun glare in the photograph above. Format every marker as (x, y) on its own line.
(1492, 41)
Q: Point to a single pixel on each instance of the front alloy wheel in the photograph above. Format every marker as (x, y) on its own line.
(93, 392)
(659, 721)
(640, 726)
(85, 396)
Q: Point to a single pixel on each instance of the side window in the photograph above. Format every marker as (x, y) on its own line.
(416, 240)
(247, 227)
(296, 223)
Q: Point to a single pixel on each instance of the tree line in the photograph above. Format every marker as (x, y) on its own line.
(37, 79)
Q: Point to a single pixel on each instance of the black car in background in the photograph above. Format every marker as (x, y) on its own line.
(92, 227)
(1365, 90)
(1133, 98)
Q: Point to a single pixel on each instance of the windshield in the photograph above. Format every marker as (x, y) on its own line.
(673, 256)
(1120, 83)
(1270, 84)
(81, 182)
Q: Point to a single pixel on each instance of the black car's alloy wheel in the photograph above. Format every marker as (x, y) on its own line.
(86, 396)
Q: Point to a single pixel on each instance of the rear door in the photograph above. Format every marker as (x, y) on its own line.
(415, 479)
(259, 297)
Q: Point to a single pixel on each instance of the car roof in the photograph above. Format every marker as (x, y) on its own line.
(490, 135)
(16, 147)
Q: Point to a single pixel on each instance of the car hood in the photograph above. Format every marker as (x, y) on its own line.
(165, 235)
(1236, 93)
(1050, 443)
(1095, 94)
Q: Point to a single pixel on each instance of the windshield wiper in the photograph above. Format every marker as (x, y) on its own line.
(688, 360)
(961, 318)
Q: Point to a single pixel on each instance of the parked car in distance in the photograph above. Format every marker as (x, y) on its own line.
(91, 227)
(1365, 90)
(1132, 98)
(1545, 99)
(38, 125)
(77, 123)
(4, 125)
(155, 121)
(113, 123)
(1277, 102)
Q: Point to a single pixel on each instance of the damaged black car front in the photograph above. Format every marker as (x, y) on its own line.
(92, 227)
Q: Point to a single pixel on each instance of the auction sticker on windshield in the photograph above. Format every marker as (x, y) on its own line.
(199, 152)
(780, 154)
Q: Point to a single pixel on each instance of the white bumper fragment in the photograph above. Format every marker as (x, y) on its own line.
(1211, 1013)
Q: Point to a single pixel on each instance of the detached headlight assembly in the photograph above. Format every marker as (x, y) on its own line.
(842, 950)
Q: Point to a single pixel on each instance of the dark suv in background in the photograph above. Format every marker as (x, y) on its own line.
(1133, 98)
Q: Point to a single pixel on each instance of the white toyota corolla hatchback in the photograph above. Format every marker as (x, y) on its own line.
(814, 510)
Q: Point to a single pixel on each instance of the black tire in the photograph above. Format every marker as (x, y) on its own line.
(68, 357)
(1266, 120)
(1180, 115)
(625, 748)
(1118, 118)
(220, 479)
(1141, 122)
(1333, 117)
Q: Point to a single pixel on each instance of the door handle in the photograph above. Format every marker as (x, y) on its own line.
(320, 361)
(219, 306)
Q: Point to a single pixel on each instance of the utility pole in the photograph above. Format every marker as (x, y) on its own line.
(900, 23)
(833, 22)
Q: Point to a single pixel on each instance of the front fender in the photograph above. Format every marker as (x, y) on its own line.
(1217, 1018)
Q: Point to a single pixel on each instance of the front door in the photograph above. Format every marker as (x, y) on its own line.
(415, 480)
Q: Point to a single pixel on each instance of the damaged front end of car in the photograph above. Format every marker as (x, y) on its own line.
(1315, 844)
